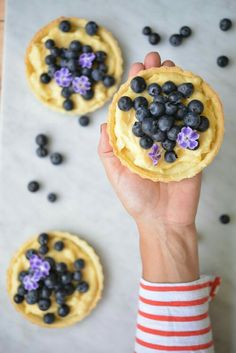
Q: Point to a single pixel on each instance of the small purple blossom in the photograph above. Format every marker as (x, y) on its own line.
(38, 264)
(81, 84)
(30, 283)
(63, 77)
(86, 60)
(187, 138)
(155, 154)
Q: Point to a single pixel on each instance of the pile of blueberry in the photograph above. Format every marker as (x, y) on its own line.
(167, 119)
(78, 68)
(47, 280)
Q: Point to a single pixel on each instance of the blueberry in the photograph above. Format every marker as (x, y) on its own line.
(168, 87)
(165, 123)
(154, 89)
(204, 124)
(59, 245)
(97, 75)
(149, 126)
(22, 274)
(61, 293)
(63, 62)
(175, 40)
(56, 158)
(72, 65)
(86, 71)
(33, 186)
(66, 92)
(29, 253)
(52, 69)
(160, 99)
(154, 38)
(60, 301)
(71, 54)
(66, 277)
(168, 145)
(69, 288)
(108, 80)
(140, 102)
(68, 104)
(41, 140)
(51, 280)
(225, 24)
(146, 142)
(159, 136)
(63, 310)
(138, 84)
(224, 219)
(185, 31)
(45, 78)
(196, 106)
(82, 287)
(44, 304)
(49, 318)
(21, 290)
(79, 264)
(77, 276)
(84, 120)
(100, 56)
(103, 67)
(170, 108)
(65, 26)
(137, 129)
(186, 89)
(32, 297)
(170, 156)
(175, 97)
(91, 28)
(192, 119)
(157, 109)
(173, 132)
(222, 61)
(55, 52)
(50, 60)
(51, 261)
(45, 293)
(43, 249)
(142, 113)
(88, 95)
(52, 197)
(41, 152)
(75, 45)
(146, 30)
(61, 267)
(182, 110)
(49, 44)
(63, 53)
(125, 103)
(43, 238)
(87, 49)
(18, 298)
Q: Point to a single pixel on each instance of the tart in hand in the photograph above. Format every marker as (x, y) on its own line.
(55, 279)
(73, 65)
(166, 124)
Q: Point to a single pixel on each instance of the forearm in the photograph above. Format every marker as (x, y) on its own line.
(169, 253)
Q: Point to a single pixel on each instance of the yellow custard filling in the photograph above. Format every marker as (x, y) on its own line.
(50, 93)
(80, 303)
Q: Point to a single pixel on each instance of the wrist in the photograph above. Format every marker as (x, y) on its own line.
(169, 251)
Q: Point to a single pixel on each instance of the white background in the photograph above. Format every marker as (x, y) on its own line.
(87, 205)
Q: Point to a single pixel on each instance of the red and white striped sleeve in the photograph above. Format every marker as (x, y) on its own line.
(174, 317)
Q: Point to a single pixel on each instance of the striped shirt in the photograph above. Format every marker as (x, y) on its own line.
(174, 317)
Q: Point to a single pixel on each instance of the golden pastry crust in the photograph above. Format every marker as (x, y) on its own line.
(50, 94)
(119, 123)
(80, 304)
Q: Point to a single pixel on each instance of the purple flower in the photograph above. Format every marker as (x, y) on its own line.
(187, 138)
(63, 77)
(81, 84)
(155, 154)
(39, 265)
(86, 60)
(30, 283)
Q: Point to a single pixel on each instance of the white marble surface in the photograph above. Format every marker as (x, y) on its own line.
(87, 205)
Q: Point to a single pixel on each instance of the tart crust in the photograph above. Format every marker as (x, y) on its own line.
(80, 304)
(119, 118)
(50, 94)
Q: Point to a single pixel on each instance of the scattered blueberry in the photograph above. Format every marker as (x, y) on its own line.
(41, 140)
(84, 120)
(68, 104)
(225, 24)
(21, 290)
(159, 136)
(175, 40)
(50, 59)
(56, 158)
(222, 61)
(108, 80)
(160, 99)
(204, 124)
(142, 113)
(22, 274)
(170, 108)
(41, 152)
(45, 293)
(65, 26)
(146, 142)
(43, 249)
(82, 287)
(168, 145)
(192, 119)
(45, 78)
(75, 45)
(63, 310)
(77, 276)
(140, 102)
(29, 253)
(154, 38)
(168, 87)
(137, 129)
(97, 75)
(175, 97)
(49, 318)
(59, 245)
(88, 95)
(33, 186)
(91, 28)
(18, 299)
(173, 132)
(224, 219)
(51, 261)
(196, 106)
(61, 267)
(69, 288)
(182, 110)
(66, 92)
(170, 156)
(43, 238)
(185, 31)
(32, 297)
(49, 44)
(101, 56)
(51, 280)
(165, 122)
(79, 264)
(125, 103)
(138, 84)
(157, 109)
(186, 89)
(154, 89)
(149, 126)
(66, 277)
(44, 304)
(87, 49)
(146, 30)
(52, 197)
(55, 52)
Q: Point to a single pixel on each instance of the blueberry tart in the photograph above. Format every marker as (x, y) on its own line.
(166, 124)
(52, 285)
(73, 65)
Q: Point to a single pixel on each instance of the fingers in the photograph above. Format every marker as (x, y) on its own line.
(168, 63)
(135, 68)
(152, 59)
